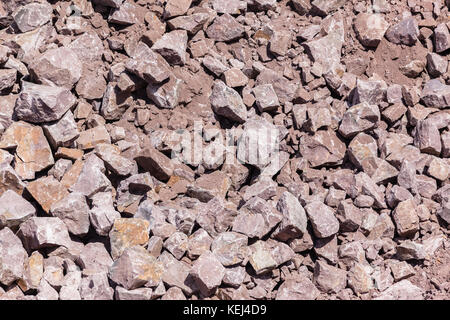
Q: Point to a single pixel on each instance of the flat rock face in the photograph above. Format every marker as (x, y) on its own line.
(224, 150)
(32, 16)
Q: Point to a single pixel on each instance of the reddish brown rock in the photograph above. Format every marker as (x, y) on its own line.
(41, 103)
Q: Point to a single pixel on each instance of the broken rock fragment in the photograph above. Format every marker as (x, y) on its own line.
(225, 28)
(13, 257)
(323, 219)
(57, 67)
(127, 233)
(207, 272)
(172, 46)
(14, 209)
(228, 103)
(32, 16)
(370, 28)
(42, 232)
(74, 211)
(41, 103)
(135, 268)
(405, 32)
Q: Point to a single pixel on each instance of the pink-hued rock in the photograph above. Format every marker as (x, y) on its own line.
(13, 257)
(41, 103)
(208, 273)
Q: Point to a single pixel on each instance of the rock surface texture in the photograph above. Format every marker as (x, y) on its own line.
(224, 149)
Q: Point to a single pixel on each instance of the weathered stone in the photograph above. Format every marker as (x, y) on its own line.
(370, 28)
(127, 14)
(402, 290)
(293, 224)
(33, 272)
(261, 258)
(359, 118)
(177, 244)
(410, 250)
(280, 43)
(349, 216)
(47, 191)
(166, 95)
(231, 7)
(127, 233)
(10, 180)
(225, 28)
(91, 178)
(427, 137)
(230, 248)
(328, 278)
(74, 212)
(406, 219)
(41, 103)
(207, 272)
(148, 65)
(13, 257)
(435, 94)
(210, 185)
(114, 161)
(32, 16)
(359, 278)
(95, 257)
(175, 8)
(323, 7)
(441, 37)
(228, 103)
(115, 103)
(33, 153)
(235, 78)
(172, 46)
(135, 268)
(300, 288)
(266, 98)
(135, 294)
(95, 286)
(158, 164)
(198, 242)
(43, 232)
(371, 91)
(88, 139)
(14, 209)
(323, 148)
(401, 270)
(322, 218)
(405, 32)
(58, 67)
(63, 132)
(362, 147)
(7, 79)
